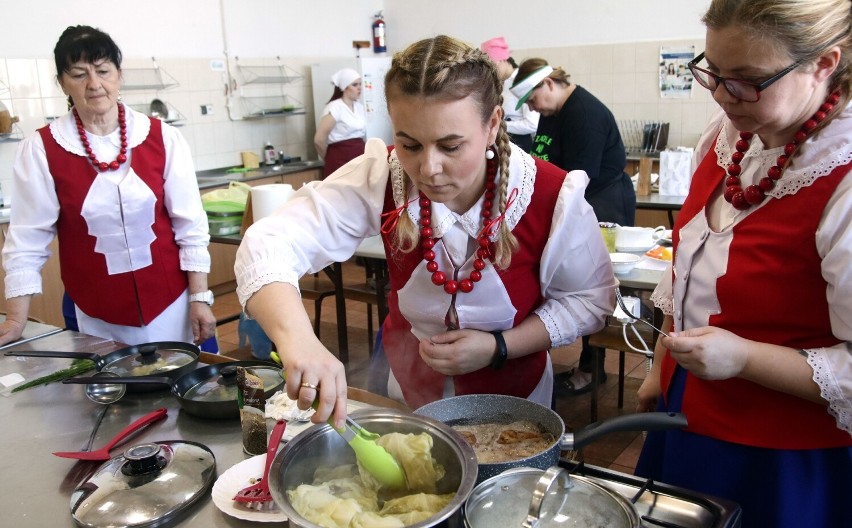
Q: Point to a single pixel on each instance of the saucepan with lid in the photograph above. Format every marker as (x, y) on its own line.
(163, 358)
(536, 498)
(209, 391)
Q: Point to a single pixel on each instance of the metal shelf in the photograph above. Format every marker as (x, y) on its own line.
(174, 118)
(153, 78)
(267, 74)
(275, 106)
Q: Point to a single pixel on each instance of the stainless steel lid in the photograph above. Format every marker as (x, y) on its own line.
(531, 497)
(149, 485)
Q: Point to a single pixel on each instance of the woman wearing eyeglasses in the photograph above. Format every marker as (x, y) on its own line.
(760, 297)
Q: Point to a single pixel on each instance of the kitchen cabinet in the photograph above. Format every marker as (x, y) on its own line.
(262, 90)
(46, 307)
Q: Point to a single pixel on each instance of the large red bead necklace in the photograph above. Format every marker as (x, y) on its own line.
(741, 198)
(122, 153)
(439, 278)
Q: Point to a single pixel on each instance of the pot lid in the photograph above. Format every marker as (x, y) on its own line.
(223, 385)
(563, 500)
(151, 360)
(148, 485)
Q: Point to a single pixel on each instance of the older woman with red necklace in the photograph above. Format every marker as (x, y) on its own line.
(760, 295)
(118, 189)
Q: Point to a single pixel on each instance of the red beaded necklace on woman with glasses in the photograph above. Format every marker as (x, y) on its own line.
(122, 153)
(741, 198)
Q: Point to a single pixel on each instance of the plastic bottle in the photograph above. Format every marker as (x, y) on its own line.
(269, 154)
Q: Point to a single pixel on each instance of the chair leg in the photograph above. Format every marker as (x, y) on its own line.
(317, 316)
(620, 379)
(370, 329)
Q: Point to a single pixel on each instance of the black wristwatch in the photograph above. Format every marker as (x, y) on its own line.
(502, 352)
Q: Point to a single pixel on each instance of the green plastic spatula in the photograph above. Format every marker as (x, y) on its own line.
(373, 457)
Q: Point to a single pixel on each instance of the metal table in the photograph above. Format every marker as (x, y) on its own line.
(36, 486)
(661, 202)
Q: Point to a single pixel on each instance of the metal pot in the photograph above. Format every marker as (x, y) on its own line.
(149, 360)
(529, 498)
(320, 445)
(207, 392)
(475, 409)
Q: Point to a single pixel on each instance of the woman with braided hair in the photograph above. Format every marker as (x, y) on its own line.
(494, 257)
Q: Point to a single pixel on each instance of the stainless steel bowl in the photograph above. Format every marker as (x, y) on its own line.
(321, 445)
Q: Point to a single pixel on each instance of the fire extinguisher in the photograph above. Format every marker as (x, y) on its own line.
(379, 45)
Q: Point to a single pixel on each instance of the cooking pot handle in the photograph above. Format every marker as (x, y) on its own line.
(652, 421)
(545, 482)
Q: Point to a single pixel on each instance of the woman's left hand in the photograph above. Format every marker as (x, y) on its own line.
(203, 322)
(709, 352)
(458, 351)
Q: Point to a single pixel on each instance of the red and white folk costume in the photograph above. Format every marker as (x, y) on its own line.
(127, 237)
(563, 272)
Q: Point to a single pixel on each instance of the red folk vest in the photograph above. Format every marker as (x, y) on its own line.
(777, 295)
(130, 299)
(518, 377)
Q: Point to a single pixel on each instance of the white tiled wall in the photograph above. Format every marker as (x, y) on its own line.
(29, 89)
(625, 78)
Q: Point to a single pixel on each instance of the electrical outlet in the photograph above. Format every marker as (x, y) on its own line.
(206, 109)
(633, 304)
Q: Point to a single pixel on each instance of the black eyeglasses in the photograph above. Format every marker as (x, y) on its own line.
(742, 90)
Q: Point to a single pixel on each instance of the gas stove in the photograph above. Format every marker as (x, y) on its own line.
(661, 505)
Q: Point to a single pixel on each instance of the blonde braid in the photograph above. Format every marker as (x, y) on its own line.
(506, 243)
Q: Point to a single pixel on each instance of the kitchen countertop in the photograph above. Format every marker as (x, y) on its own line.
(218, 177)
(36, 486)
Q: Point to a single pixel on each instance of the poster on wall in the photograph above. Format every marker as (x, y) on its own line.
(675, 77)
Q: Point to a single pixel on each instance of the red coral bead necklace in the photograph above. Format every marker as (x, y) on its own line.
(439, 278)
(122, 153)
(741, 198)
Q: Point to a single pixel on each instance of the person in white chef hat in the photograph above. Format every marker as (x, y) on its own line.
(342, 127)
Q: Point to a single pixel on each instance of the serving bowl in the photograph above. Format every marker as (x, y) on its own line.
(623, 262)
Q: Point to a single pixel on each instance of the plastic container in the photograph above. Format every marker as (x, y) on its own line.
(224, 225)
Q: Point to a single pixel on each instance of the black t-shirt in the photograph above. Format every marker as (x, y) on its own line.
(583, 135)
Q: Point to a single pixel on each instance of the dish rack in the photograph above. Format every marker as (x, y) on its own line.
(262, 94)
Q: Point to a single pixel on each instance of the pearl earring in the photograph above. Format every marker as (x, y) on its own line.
(489, 154)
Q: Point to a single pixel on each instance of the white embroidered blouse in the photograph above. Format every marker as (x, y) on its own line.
(119, 208)
(325, 221)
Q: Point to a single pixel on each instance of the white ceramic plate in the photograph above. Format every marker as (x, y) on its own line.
(233, 480)
(623, 249)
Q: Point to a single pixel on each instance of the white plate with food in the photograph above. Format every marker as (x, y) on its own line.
(237, 477)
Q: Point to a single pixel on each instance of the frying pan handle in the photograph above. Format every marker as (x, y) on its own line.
(54, 354)
(127, 380)
(653, 421)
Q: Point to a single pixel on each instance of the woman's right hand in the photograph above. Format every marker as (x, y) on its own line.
(310, 369)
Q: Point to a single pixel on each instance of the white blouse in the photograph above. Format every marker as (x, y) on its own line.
(124, 242)
(348, 123)
(825, 151)
(325, 221)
